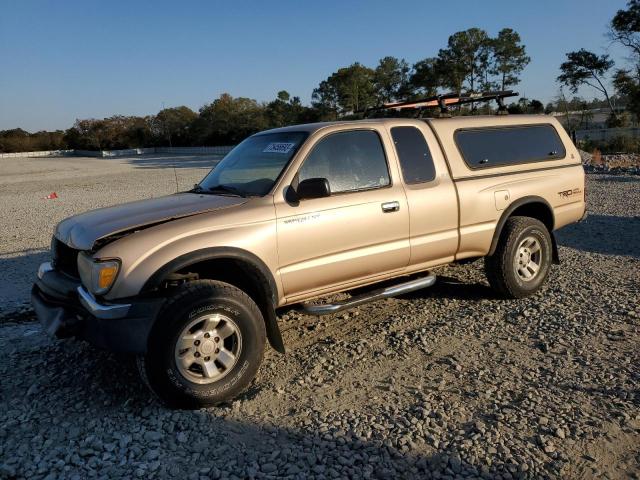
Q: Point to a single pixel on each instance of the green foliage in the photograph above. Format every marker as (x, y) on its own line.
(391, 80)
(524, 105)
(628, 85)
(18, 140)
(465, 61)
(287, 110)
(509, 57)
(174, 125)
(471, 61)
(426, 77)
(346, 91)
(111, 133)
(586, 68)
(583, 68)
(625, 27)
(619, 144)
(228, 120)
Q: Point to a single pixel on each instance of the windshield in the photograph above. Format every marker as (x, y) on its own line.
(252, 168)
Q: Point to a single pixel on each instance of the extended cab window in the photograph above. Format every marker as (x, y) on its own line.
(492, 147)
(350, 161)
(414, 155)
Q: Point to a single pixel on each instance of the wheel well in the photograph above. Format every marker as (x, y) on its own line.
(246, 276)
(536, 210)
(235, 272)
(533, 207)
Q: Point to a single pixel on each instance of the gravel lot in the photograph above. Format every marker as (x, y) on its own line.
(449, 382)
(81, 183)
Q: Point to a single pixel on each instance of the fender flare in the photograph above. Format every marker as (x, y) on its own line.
(509, 211)
(268, 284)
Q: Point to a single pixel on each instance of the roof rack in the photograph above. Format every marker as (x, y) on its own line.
(444, 101)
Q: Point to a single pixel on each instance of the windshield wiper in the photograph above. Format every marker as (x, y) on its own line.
(225, 189)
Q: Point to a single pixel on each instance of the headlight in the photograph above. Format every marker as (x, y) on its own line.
(97, 275)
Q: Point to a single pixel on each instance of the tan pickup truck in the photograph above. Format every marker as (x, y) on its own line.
(191, 282)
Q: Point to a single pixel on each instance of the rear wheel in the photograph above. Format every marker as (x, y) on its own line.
(522, 259)
(206, 346)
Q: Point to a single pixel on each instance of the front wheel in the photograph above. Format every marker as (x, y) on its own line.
(206, 346)
(522, 259)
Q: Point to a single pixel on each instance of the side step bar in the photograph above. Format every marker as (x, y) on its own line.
(379, 294)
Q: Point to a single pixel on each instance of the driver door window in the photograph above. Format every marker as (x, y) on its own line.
(350, 161)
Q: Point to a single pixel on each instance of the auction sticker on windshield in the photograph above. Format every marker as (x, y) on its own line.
(279, 147)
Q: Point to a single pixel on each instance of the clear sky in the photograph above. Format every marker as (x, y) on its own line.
(62, 60)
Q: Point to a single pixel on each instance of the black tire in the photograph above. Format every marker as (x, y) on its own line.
(502, 269)
(178, 386)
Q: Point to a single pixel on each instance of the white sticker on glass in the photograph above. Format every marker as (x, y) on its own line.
(279, 147)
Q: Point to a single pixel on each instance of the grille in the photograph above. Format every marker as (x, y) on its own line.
(65, 258)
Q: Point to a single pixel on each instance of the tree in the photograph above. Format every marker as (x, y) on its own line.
(426, 77)
(346, 91)
(586, 68)
(325, 100)
(173, 125)
(287, 110)
(509, 57)
(228, 120)
(465, 60)
(19, 140)
(628, 85)
(391, 80)
(535, 106)
(625, 27)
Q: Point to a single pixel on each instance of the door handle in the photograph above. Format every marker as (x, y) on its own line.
(390, 207)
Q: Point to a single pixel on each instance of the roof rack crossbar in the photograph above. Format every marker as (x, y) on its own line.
(444, 101)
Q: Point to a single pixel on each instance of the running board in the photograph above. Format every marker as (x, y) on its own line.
(379, 294)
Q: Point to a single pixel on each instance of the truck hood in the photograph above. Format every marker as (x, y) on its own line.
(83, 230)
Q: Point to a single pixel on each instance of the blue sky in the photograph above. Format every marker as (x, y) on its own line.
(81, 59)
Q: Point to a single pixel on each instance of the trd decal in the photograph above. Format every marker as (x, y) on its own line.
(569, 193)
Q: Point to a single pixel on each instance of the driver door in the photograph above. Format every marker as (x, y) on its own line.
(359, 232)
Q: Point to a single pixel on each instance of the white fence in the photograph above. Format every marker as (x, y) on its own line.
(123, 153)
(603, 134)
(43, 153)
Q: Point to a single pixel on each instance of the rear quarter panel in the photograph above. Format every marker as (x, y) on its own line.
(485, 194)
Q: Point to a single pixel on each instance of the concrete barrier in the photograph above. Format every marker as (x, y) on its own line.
(130, 152)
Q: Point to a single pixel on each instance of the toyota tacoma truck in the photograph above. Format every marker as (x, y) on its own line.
(191, 282)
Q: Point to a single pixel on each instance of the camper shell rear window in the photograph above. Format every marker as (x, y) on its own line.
(513, 145)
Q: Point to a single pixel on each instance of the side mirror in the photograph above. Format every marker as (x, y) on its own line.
(313, 188)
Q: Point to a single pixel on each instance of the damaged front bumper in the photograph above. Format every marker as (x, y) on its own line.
(65, 308)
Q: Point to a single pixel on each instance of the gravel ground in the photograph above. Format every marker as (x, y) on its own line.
(617, 163)
(449, 382)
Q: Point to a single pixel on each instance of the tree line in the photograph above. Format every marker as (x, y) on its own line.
(586, 68)
(471, 61)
